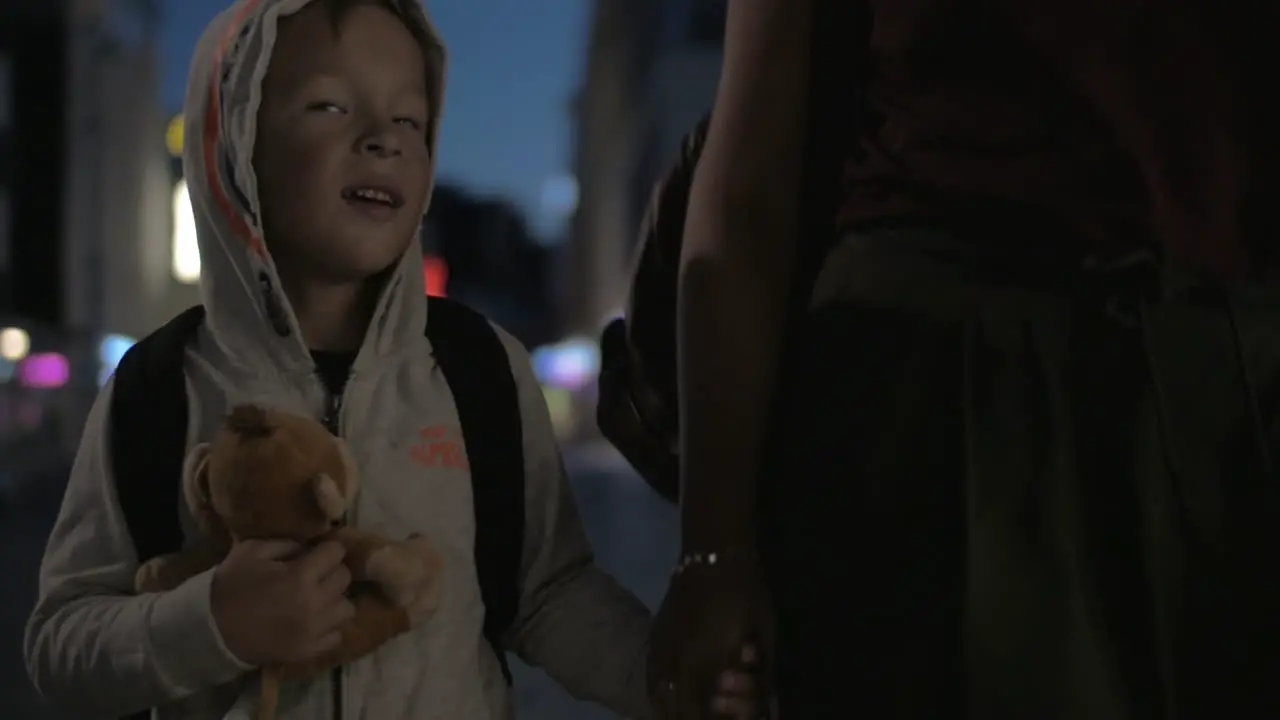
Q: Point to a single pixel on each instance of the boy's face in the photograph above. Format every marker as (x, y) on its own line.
(341, 154)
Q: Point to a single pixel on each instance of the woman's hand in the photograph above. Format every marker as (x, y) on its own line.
(739, 692)
(711, 616)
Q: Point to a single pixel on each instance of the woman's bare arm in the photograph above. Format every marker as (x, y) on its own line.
(736, 265)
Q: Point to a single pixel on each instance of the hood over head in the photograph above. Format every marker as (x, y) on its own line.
(247, 311)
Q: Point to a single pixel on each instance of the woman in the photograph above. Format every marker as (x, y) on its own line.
(1019, 463)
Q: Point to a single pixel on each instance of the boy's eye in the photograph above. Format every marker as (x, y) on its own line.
(410, 122)
(325, 106)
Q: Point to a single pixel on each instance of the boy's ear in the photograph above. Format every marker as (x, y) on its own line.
(195, 488)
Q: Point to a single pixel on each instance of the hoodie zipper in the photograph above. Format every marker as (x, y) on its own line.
(331, 421)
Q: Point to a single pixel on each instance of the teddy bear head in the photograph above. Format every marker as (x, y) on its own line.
(269, 474)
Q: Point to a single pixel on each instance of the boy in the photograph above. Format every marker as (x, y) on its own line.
(311, 164)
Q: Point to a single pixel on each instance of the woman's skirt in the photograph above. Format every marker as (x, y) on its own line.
(1005, 482)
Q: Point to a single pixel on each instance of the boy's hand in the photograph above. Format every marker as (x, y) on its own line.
(274, 610)
(708, 616)
(739, 693)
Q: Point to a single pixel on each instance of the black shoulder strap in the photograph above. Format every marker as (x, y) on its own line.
(148, 434)
(148, 437)
(475, 364)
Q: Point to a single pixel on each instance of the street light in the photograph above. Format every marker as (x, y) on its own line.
(15, 343)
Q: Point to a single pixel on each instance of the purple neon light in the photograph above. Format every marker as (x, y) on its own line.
(44, 371)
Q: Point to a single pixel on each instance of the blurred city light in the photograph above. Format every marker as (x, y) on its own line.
(186, 250)
(15, 343)
(110, 351)
(44, 371)
(560, 195)
(569, 365)
(560, 409)
(436, 275)
(174, 136)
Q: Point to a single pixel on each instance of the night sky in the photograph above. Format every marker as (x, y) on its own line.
(515, 65)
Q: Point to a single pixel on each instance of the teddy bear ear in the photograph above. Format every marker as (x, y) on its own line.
(195, 487)
(329, 497)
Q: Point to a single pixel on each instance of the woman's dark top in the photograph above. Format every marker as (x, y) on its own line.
(1114, 124)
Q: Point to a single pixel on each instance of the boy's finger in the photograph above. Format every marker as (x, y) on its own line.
(321, 560)
(733, 682)
(732, 707)
(272, 549)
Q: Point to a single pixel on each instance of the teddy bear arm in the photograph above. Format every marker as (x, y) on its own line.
(360, 546)
(167, 572)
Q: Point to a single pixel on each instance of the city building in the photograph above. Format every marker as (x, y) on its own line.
(85, 186)
(85, 212)
(651, 74)
(33, 43)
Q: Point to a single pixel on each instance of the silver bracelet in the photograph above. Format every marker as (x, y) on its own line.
(688, 560)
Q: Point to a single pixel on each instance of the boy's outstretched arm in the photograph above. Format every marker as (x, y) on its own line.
(575, 622)
(94, 648)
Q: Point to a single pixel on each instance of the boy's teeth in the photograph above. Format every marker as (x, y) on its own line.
(374, 195)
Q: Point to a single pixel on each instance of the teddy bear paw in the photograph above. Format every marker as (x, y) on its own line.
(399, 572)
(427, 598)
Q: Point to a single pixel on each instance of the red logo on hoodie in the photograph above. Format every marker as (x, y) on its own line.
(439, 446)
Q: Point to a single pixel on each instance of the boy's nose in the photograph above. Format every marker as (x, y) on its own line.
(380, 145)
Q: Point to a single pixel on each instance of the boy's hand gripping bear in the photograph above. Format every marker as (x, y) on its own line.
(272, 475)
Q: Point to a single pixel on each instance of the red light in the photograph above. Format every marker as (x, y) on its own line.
(436, 276)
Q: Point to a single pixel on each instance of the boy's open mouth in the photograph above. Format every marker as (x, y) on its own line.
(375, 196)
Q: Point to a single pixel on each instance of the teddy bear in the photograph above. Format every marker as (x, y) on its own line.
(268, 474)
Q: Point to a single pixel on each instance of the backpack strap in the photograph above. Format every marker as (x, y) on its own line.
(478, 370)
(147, 437)
(148, 434)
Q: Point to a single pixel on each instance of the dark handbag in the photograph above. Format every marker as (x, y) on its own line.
(637, 409)
(635, 418)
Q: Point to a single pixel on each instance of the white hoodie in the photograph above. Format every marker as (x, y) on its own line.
(97, 650)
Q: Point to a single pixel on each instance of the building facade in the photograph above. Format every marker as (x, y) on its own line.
(84, 213)
(85, 184)
(651, 74)
(33, 61)
(119, 204)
